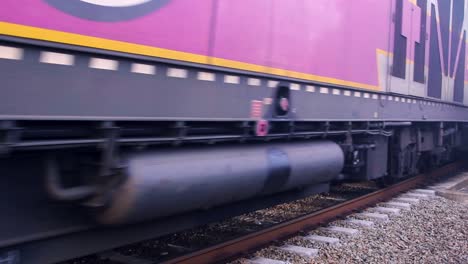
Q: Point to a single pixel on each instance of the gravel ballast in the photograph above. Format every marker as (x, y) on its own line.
(432, 231)
(184, 242)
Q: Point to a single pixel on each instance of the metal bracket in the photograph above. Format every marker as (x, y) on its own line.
(9, 135)
(368, 126)
(292, 129)
(246, 130)
(10, 257)
(349, 137)
(109, 163)
(326, 127)
(181, 130)
(440, 139)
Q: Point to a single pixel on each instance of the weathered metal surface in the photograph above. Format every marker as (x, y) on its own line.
(163, 183)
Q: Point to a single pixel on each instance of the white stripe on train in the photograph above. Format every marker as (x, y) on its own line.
(11, 53)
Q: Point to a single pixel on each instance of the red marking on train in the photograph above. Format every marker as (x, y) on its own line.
(256, 109)
(261, 128)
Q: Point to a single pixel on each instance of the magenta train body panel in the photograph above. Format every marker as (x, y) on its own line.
(163, 28)
(322, 37)
(336, 41)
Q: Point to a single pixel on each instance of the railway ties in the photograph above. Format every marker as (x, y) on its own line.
(407, 200)
(260, 260)
(416, 195)
(350, 228)
(341, 230)
(308, 252)
(387, 210)
(303, 251)
(425, 191)
(360, 222)
(119, 258)
(332, 234)
(310, 237)
(361, 214)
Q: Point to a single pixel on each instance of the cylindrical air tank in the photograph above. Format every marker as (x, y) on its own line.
(166, 182)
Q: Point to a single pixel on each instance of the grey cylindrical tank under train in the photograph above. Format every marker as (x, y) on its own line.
(162, 183)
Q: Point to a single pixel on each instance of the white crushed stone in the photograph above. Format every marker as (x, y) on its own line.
(433, 231)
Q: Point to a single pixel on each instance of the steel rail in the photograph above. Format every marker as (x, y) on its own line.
(238, 246)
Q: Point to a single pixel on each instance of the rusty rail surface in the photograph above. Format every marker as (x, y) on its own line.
(284, 230)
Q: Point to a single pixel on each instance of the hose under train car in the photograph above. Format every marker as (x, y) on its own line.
(57, 191)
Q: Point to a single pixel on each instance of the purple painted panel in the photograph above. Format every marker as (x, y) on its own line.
(416, 19)
(329, 38)
(406, 19)
(318, 37)
(466, 66)
(242, 33)
(459, 84)
(293, 37)
(179, 25)
(366, 28)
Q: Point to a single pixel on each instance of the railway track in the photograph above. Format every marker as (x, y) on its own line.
(239, 246)
(173, 245)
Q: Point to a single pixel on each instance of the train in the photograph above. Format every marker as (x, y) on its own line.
(125, 120)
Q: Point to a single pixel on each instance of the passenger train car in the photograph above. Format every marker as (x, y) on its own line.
(117, 118)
